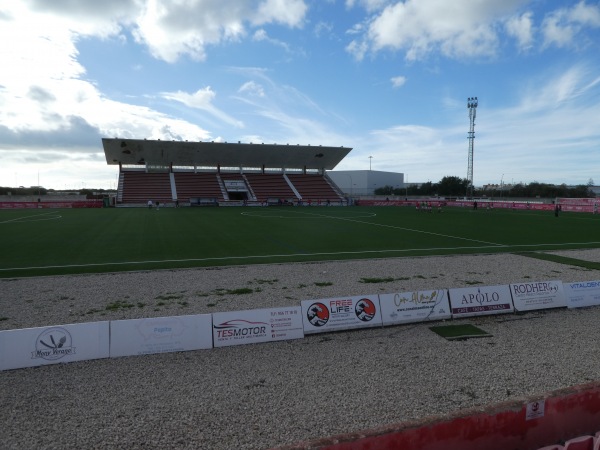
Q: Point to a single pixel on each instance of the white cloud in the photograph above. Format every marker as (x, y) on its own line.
(561, 27)
(173, 29)
(202, 99)
(252, 88)
(458, 29)
(398, 81)
(521, 28)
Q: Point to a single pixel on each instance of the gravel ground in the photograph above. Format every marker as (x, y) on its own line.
(267, 395)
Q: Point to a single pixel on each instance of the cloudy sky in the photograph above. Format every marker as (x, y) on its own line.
(389, 78)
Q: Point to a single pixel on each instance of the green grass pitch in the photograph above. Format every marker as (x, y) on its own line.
(67, 241)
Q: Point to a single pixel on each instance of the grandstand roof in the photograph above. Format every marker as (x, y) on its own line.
(213, 154)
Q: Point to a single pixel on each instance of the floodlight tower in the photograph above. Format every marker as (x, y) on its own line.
(472, 105)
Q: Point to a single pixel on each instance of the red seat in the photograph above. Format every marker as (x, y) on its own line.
(580, 443)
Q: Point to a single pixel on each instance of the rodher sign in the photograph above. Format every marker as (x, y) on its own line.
(538, 295)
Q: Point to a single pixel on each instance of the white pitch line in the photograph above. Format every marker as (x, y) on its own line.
(224, 258)
(406, 229)
(31, 218)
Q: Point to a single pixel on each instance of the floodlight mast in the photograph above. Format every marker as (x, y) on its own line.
(472, 105)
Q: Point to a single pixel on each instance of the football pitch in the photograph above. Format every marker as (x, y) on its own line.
(70, 241)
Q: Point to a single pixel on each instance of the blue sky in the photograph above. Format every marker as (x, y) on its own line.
(388, 78)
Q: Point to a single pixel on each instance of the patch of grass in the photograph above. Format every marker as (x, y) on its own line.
(377, 280)
(323, 283)
(590, 265)
(459, 332)
(472, 282)
(140, 304)
(239, 291)
(259, 281)
(211, 305)
(183, 303)
(116, 305)
(3, 318)
(169, 297)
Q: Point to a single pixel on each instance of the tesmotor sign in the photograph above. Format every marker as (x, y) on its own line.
(538, 295)
(582, 293)
(340, 313)
(481, 300)
(257, 325)
(160, 335)
(415, 306)
(31, 347)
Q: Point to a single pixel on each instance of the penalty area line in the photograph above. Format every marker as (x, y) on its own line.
(293, 255)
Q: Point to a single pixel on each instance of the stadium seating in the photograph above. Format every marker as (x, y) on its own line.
(580, 443)
(191, 185)
(314, 187)
(267, 186)
(139, 187)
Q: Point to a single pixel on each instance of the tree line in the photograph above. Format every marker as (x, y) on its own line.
(452, 186)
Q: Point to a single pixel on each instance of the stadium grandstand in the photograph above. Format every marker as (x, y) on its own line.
(221, 173)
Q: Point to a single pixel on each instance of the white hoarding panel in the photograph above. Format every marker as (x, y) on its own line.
(342, 313)
(582, 293)
(415, 306)
(31, 347)
(160, 335)
(538, 295)
(257, 325)
(480, 301)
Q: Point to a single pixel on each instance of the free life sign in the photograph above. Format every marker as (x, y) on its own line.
(342, 313)
(257, 325)
(582, 293)
(479, 301)
(160, 335)
(538, 295)
(414, 306)
(30, 347)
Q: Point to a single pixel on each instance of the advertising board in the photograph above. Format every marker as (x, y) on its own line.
(257, 325)
(415, 306)
(582, 293)
(30, 347)
(538, 295)
(341, 313)
(480, 301)
(160, 335)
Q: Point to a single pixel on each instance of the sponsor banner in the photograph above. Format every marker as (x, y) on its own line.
(415, 306)
(34, 205)
(160, 335)
(31, 347)
(257, 325)
(538, 295)
(582, 293)
(342, 313)
(479, 301)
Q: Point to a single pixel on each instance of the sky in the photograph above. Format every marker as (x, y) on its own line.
(388, 78)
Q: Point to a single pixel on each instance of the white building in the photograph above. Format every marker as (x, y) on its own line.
(364, 182)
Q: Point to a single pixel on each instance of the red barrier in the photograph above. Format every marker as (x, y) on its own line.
(562, 415)
(41, 205)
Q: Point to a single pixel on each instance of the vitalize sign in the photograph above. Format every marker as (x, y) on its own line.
(582, 293)
(538, 295)
(481, 300)
(256, 325)
(415, 306)
(340, 313)
(31, 347)
(160, 335)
